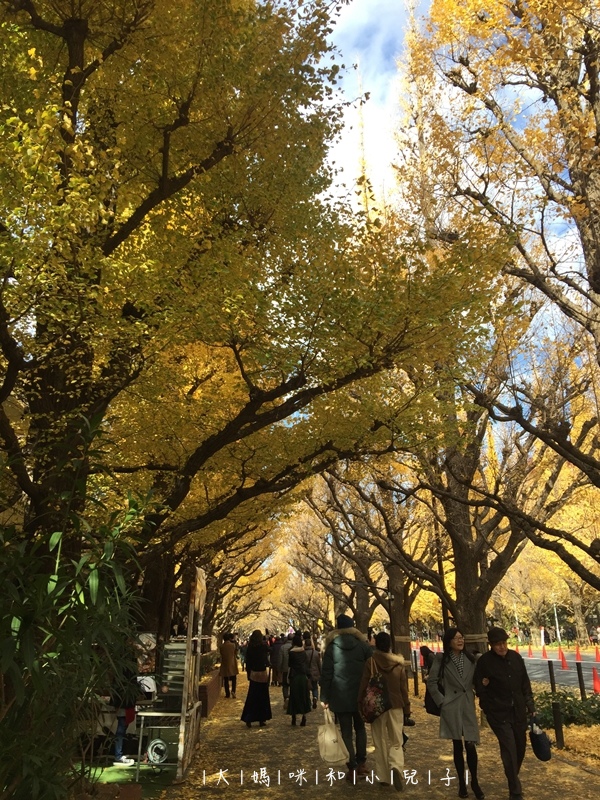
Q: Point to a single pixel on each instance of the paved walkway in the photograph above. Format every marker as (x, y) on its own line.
(280, 761)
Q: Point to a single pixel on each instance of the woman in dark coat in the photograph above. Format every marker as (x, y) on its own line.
(314, 667)
(454, 669)
(257, 707)
(299, 702)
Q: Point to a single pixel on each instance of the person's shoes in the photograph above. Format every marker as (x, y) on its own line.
(462, 791)
(362, 770)
(123, 761)
(397, 779)
(351, 776)
(303, 722)
(293, 719)
(248, 724)
(477, 790)
(262, 724)
(383, 784)
(515, 796)
(314, 703)
(233, 695)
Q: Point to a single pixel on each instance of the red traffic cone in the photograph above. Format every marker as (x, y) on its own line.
(596, 680)
(597, 653)
(563, 660)
(530, 652)
(544, 653)
(577, 653)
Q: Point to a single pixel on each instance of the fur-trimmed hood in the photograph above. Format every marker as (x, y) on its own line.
(387, 661)
(341, 631)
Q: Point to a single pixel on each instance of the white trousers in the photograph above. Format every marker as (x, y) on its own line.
(386, 732)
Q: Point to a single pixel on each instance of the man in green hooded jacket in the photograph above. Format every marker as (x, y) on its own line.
(346, 651)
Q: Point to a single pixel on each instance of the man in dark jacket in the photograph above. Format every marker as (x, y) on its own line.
(505, 697)
(346, 651)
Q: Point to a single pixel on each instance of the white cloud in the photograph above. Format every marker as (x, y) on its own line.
(370, 35)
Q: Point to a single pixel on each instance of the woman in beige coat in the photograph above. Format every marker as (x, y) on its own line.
(386, 730)
(229, 664)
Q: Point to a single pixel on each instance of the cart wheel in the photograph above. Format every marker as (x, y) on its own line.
(157, 751)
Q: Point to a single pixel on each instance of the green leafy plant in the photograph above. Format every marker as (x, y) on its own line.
(208, 662)
(66, 628)
(574, 710)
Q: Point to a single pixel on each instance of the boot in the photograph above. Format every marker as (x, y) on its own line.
(477, 790)
(303, 721)
(293, 719)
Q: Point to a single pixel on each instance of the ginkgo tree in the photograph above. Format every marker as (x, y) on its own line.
(185, 313)
(504, 117)
(183, 309)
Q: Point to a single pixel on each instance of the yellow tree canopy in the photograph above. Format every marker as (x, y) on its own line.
(183, 310)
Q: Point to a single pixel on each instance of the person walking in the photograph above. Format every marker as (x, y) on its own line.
(346, 651)
(257, 707)
(450, 683)
(386, 730)
(314, 667)
(229, 665)
(299, 700)
(276, 679)
(282, 668)
(504, 690)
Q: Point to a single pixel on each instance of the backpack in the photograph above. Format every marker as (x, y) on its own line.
(431, 707)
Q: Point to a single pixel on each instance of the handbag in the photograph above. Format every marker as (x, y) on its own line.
(259, 675)
(540, 743)
(431, 707)
(375, 700)
(331, 745)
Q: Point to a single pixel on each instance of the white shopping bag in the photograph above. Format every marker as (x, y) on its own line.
(331, 745)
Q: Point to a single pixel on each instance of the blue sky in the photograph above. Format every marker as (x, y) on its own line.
(370, 34)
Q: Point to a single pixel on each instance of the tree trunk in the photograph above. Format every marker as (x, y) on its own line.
(582, 634)
(399, 610)
(157, 594)
(362, 616)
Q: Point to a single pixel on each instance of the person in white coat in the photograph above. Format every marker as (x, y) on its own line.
(450, 683)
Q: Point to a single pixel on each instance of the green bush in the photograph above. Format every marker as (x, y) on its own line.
(574, 710)
(208, 661)
(65, 632)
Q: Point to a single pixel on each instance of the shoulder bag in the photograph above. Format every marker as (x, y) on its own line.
(431, 707)
(375, 700)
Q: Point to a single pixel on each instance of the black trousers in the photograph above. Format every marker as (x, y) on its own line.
(285, 684)
(226, 679)
(512, 738)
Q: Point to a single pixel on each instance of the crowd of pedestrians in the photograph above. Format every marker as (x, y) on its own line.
(342, 674)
